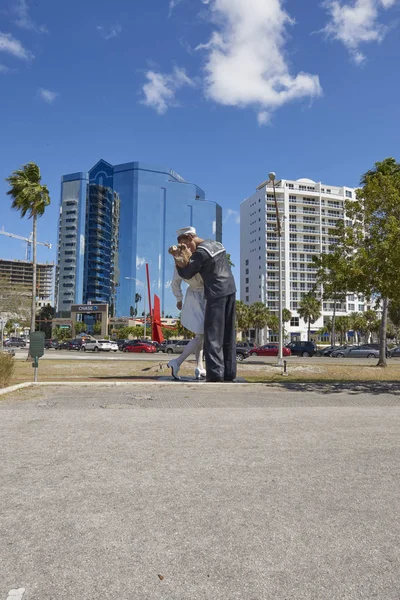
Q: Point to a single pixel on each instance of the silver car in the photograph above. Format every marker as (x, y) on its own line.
(364, 351)
(176, 348)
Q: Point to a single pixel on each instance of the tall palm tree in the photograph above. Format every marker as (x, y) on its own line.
(259, 317)
(356, 324)
(342, 326)
(242, 316)
(286, 317)
(30, 198)
(309, 310)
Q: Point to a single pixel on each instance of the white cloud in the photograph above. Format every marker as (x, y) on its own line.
(356, 23)
(160, 89)
(229, 213)
(110, 32)
(47, 95)
(173, 4)
(23, 20)
(246, 64)
(140, 262)
(12, 46)
(4, 69)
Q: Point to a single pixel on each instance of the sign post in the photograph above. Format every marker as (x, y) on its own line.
(36, 350)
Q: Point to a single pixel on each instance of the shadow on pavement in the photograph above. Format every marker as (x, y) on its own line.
(331, 387)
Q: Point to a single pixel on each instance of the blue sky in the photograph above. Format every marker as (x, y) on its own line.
(221, 91)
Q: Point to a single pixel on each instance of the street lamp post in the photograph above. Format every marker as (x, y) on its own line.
(279, 363)
(140, 283)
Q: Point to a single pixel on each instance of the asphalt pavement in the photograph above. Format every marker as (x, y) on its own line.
(200, 491)
(22, 353)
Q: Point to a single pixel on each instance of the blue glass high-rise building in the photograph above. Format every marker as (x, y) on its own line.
(114, 220)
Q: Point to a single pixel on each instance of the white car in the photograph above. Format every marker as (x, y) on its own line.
(98, 345)
(114, 346)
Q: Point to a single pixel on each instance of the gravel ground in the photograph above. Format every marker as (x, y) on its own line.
(190, 492)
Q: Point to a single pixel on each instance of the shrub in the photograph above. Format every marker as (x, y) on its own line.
(6, 368)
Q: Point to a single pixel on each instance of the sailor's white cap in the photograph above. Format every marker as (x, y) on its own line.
(186, 231)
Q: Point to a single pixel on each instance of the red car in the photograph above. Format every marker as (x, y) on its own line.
(136, 346)
(269, 350)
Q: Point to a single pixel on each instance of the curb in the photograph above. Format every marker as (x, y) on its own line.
(19, 386)
(15, 388)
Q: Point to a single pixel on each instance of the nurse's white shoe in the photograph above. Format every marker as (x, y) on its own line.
(200, 374)
(174, 369)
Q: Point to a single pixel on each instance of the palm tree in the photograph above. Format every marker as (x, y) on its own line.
(309, 310)
(242, 316)
(356, 324)
(342, 326)
(286, 317)
(259, 317)
(30, 197)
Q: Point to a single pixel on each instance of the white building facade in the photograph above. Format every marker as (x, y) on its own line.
(308, 210)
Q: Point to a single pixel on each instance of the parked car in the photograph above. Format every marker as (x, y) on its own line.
(302, 348)
(98, 346)
(269, 350)
(363, 351)
(75, 344)
(51, 344)
(167, 344)
(114, 346)
(394, 352)
(64, 345)
(175, 346)
(139, 346)
(15, 342)
(121, 343)
(328, 351)
(241, 353)
(248, 345)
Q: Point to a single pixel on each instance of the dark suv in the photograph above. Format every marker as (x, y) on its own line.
(302, 348)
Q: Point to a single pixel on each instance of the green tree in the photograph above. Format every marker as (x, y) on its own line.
(228, 256)
(309, 310)
(242, 316)
(168, 333)
(333, 274)
(182, 331)
(369, 323)
(30, 198)
(286, 318)
(259, 316)
(97, 327)
(370, 238)
(44, 320)
(356, 323)
(60, 333)
(80, 327)
(342, 326)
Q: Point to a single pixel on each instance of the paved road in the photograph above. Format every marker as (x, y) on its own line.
(21, 354)
(191, 492)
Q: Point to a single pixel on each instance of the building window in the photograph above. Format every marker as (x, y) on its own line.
(349, 194)
(247, 280)
(294, 322)
(247, 271)
(247, 290)
(247, 298)
(351, 307)
(247, 262)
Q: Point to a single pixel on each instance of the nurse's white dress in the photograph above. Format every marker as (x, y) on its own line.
(194, 305)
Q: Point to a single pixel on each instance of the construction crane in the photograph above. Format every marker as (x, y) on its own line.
(28, 241)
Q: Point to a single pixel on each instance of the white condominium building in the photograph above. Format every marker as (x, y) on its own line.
(308, 211)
